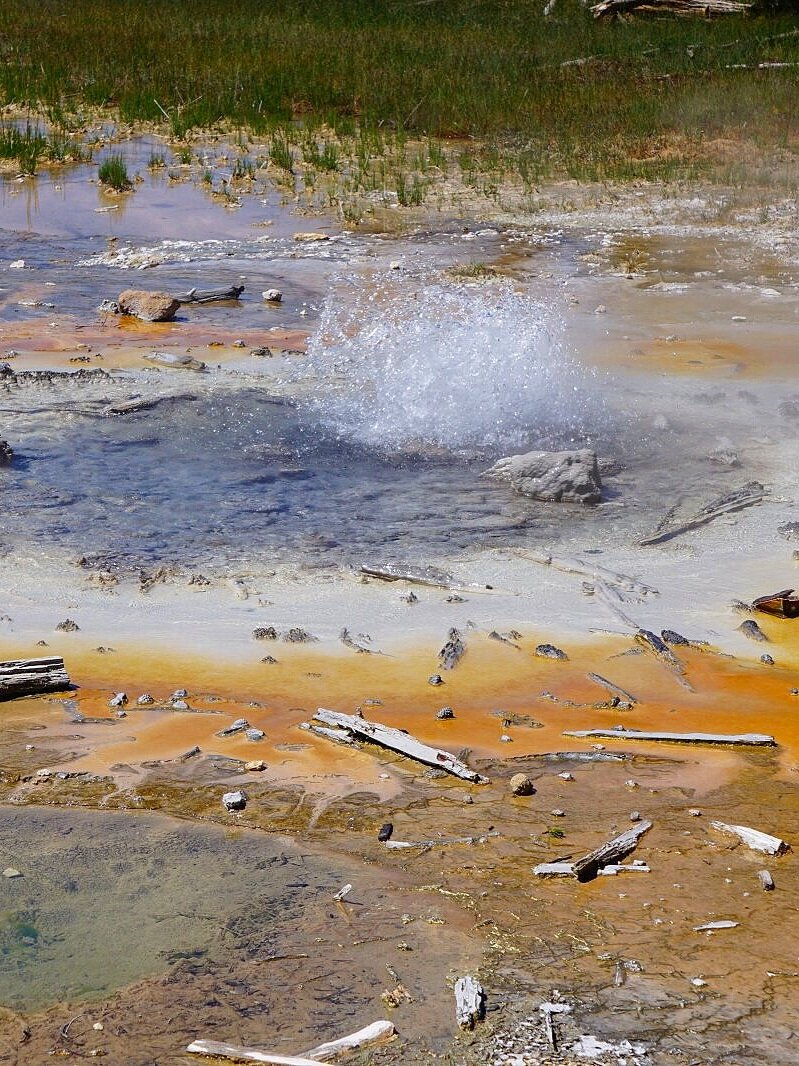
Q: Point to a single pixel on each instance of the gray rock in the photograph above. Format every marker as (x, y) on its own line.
(145, 699)
(549, 651)
(790, 530)
(239, 726)
(119, 700)
(558, 477)
(254, 734)
(445, 713)
(6, 453)
(752, 630)
(149, 306)
(234, 801)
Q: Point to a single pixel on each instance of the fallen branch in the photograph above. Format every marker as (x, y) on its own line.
(610, 853)
(702, 8)
(469, 1002)
(660, 649)
(747, 496)
(29, 677)
(614, 690)
(753, 838)
(398, 741)
(366, 1037)
(427, 575)
(401, 845)
(751, 739)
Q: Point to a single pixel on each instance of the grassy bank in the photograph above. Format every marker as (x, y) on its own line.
(564, 95)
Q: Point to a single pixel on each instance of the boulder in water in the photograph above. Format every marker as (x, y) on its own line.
(557, 477)
(149, 306)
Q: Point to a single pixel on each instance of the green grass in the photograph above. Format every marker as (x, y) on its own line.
(114, 173)
(29, 148)
(649, 98)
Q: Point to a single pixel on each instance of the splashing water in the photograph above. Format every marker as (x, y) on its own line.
(411, 365)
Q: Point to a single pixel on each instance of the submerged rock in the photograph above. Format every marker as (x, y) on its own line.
(557, 477)
(6, 453)
(149, 306)
(752, 630)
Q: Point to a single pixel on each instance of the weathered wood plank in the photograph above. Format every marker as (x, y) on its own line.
(217, 1050)
(29, 677)
(753, 838)
(469, 1001)
(751, 739)
(400, 742)
(376, 1032)
(610, 853)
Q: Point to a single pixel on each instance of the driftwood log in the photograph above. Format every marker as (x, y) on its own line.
(29, 677)
(753, 838)
(375, 1033)
(469, 1002)
(747, 496)
(703, 8)
(751, 739)
(610, 853)
(399, 741)
(207, 296)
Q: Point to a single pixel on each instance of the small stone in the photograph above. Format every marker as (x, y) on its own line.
(17, 264)
(395, 264)
(272, 296)
(145, 699)
(467, 798)
(67, 626)
(435, 679)
(549, 651)
(409, 597)
(239, 344)
(255, 766)
(30, 747)
(767, 660)
(445, 713)
(309, 238)
(505, 739)
(558, 813)
(385, 831)
(45, 772)
(567, 775)
(631, 784)
(120, 713)
(6, 453)
(180, 705)
(234, 801)
(11, 873)
(695, 812)
(521, 785)
(119, 700)
(635, 816)
(254, 734)
(264, 633)
(98, 1027)
(698, 982)
(790, 530)
(179, 694)
(148, 306)
(600, 309)
(766, 880)
(752, 630)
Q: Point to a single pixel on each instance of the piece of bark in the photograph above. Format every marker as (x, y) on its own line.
(610, 853)
(753, 838)
(469, 1002)
(750, 739)
(766, 880)
(399, 741)
(28, 677)
(207, 296)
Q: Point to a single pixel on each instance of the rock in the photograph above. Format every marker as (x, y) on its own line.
(149, 306)
(256, 766)
(263, 353)
(521, 785)
(180, 705)
(752, 630)
(297, 635)
(272, 296)
(549, 651)
(790, 530)
(506, 739)
(445, 713)
(11, 873)
(17, 264)
(67, 626)
(234, 801)
(119, 700)
(239, 726)
(179, 694)
(264, 633)
(635, 816)
(435, 679)
(254, 734)
(6, 453)
(556, 477)
(385, 831)
(558, 813)
(311, 237)
(145, 699)
(767, 660)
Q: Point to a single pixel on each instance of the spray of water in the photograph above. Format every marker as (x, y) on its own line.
(408, 364)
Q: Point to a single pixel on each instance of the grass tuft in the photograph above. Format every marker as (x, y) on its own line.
(114, 173)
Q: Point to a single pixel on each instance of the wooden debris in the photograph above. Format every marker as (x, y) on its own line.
(784, 604)
(624, 587)
(398, 741)
(701, 8)
(207, 296)
(613, 689)
(547, 1010)
(425, 845)
(340, 736)
(610, 853)
(28, 677)
(660, 649)
(711, 927)
(375, 1033)
(453, 651)
(140, 403)
(748, 495)
(554, 869)
(753, 838)
(427, 575)
(469, 1002)
(346, 639)
(619, 733)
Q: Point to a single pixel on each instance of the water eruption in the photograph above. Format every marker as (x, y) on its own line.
(416, 364)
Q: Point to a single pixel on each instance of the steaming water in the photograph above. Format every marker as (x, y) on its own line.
(477, 367)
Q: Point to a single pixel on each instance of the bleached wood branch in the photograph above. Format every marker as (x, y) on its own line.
(469, 1001)
(752, 739)
(28, 677)
(610, 853)
(398, 741)
(753, 838)
(327, 1052)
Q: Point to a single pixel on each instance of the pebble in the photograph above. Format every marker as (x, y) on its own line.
(558, 813)
(435, 679)
(272, 296)
(120, 713)
(10, 872)
(17, 264)
(254, 734)
(600, 310)
(521, 785)
(549, 651)
(567, 776)
(635, 816)
(445, 713)
(98, 1027)
(179, 694)
(506, 739)
(119, 700)
(180, 705)
(145, 699)
(695, 812)
(767, 660)
(234, 801)
(256, 766)
(385, 831)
